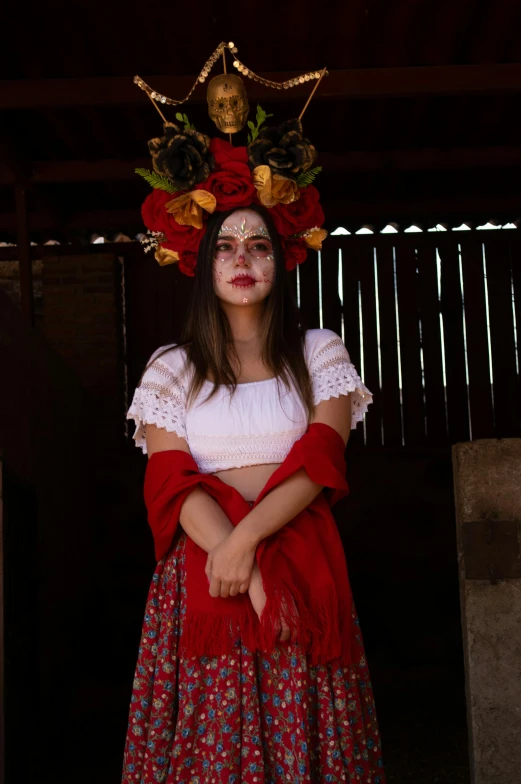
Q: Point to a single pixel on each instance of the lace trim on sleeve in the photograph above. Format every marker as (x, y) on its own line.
(333, 374)
(159, 400)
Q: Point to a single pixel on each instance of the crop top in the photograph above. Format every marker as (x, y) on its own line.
(253, 426)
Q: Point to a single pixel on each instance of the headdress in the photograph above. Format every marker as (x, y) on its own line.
(195, 175)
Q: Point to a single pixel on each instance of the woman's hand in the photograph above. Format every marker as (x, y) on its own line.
(256, 591)
(258, 600)
(229, 566)
(284, 628)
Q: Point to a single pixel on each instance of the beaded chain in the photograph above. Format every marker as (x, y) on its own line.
(205, 72)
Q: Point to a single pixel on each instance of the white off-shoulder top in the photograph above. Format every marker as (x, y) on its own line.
(252, 427)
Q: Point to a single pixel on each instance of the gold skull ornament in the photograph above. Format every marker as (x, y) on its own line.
(228, 103)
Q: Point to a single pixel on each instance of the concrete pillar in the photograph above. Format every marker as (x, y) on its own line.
(487, 478)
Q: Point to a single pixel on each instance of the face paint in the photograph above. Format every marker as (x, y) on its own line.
(254, 243)
(243, 248)
(242, 234)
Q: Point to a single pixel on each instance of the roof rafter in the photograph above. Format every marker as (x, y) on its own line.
(358, 160)
(364, 83)
(339, 212)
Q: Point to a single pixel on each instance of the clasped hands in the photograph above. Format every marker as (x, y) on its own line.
(231, 569)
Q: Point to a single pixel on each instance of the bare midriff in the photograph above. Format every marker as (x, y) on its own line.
(248, 480)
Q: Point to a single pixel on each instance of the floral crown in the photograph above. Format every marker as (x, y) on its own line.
(194, 176)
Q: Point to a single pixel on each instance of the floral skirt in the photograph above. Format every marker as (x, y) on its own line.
(248, 717)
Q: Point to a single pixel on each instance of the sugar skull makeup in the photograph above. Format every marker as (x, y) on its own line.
(244, 263)
(240, 237)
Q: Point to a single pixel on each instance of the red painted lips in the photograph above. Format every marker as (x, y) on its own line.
(243, 280)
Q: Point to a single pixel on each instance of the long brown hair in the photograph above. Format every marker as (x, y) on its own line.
(207, 337)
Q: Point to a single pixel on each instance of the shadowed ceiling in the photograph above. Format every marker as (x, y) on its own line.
(417, 121)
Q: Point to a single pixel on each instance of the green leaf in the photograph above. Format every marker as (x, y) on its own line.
(306, 178)
(253, 135)
(158, 181)
(260, 118)
(183, 118)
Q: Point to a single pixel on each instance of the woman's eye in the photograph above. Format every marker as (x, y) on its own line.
(261, 246)
(224, 246)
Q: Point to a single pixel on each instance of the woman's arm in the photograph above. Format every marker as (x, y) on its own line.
(277, 508)
(201, 516)
(203, 520)
(285, 501)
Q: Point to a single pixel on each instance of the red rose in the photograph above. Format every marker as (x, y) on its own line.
(152, 209)
(188, 262)
(295, 252)
(305, 213)
(224, 151)
(230, 182)
(156, 218)
(187, 241)
(181, 237)
(231, 185)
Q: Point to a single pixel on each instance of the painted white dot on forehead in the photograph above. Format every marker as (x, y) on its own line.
(239, 230)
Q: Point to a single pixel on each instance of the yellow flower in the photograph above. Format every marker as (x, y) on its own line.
(188, 208)
(274, 189)
(314, 238)
(164, 256)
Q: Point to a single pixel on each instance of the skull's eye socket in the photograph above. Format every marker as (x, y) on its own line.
(235, 103)
(220, 105)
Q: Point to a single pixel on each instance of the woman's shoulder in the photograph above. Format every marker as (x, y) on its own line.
(172, 354)
(323, 341)
(170, 359)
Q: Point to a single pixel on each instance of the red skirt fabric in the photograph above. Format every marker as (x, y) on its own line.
(244, 718)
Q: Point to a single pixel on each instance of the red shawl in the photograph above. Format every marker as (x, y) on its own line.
(302, 565)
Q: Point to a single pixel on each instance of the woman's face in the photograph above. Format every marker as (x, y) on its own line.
(243, 266)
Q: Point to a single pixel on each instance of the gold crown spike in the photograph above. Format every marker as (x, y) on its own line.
(158, 98)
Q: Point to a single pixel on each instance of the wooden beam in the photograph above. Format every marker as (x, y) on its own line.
(460, 206)
(419, 160)
(381, 160)
(81, 171)
(364, 83)
(129, 249)
(3, 635)
(39, 252)
(24, 255)
(13, 157)
(88, 219)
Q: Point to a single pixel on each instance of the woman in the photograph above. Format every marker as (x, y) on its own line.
(238, 395)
